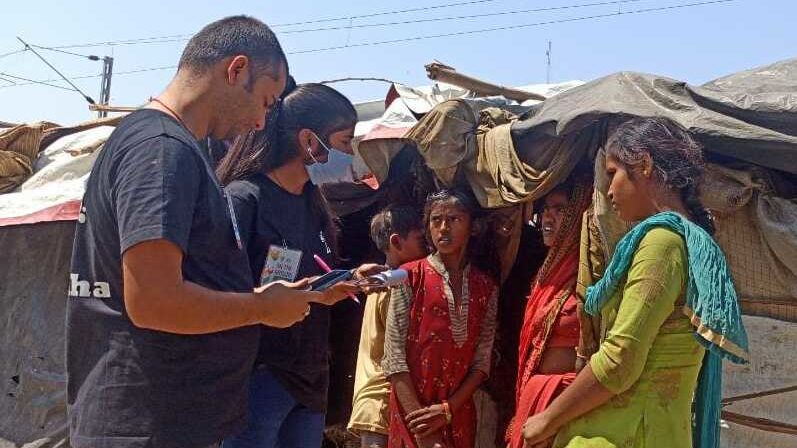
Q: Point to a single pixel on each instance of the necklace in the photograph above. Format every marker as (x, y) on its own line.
(175, 114)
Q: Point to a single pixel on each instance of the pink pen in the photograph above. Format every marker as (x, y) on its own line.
(325, 267)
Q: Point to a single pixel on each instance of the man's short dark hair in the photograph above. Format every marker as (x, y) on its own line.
(392, 219)
(233, 36)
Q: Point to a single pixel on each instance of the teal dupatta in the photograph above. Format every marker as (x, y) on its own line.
(711, 304)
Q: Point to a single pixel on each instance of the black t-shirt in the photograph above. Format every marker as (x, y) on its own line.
(268, 215)
(131, 387)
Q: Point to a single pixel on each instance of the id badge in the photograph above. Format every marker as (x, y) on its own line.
(281, 264)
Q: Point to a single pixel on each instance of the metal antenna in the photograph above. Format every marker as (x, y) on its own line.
(27, 46)
(548, 69)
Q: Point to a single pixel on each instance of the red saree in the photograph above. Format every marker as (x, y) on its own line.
(544, 310)
(438, 365)
(550, 319)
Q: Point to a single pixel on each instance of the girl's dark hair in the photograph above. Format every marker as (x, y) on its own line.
(481, 251)
(317, 107)
(677, 159)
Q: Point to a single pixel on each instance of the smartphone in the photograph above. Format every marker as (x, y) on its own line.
(330, 279)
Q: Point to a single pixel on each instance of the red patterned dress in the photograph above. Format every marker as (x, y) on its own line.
(439, 343)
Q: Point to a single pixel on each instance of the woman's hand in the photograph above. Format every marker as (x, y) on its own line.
(367, 270)
(538, 430)
(337, 292)
(426, 421)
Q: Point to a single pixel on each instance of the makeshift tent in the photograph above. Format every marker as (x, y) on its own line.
(747, 123)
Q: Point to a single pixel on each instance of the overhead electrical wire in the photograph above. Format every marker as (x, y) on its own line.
(178, 37)
(90, 57)
(11, 53)
(29, 81)
(462, 17)
(350, 26)
(435, 36)
(510, 27)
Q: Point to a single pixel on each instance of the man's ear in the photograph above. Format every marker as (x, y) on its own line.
(237, 71)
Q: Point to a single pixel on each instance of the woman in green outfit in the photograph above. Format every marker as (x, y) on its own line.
(668, 309)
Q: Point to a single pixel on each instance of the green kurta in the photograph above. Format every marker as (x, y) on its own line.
(648, 356)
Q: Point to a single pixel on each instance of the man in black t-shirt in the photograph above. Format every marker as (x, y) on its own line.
(161, 316)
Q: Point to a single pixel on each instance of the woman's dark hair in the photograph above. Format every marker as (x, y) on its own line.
(677, 159)
(317, 107)
(481, 251)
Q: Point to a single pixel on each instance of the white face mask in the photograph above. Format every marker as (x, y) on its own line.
(329, 148)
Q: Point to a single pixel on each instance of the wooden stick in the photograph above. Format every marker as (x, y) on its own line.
(437, 71)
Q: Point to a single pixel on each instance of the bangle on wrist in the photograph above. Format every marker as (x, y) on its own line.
(447, 411)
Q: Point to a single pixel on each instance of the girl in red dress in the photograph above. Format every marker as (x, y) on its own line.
(440, 329)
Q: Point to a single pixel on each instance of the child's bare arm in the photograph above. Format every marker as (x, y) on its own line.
(394, 363)
(405, 392)
(465, 391)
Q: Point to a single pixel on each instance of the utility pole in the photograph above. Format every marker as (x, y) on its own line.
(548, 69)
(105, 85)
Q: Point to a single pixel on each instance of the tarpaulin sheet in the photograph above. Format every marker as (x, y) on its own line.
(33, 283)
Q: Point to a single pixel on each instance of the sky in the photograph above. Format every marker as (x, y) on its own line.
(692, 43)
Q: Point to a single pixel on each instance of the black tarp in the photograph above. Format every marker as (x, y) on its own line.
(750, 116)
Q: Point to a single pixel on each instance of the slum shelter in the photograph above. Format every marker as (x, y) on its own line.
(747, 124)
(509, 155)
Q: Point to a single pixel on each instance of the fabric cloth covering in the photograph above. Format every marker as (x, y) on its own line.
(59, 179)
(756, 231)
(19, 147)
(750, 116)
(458, 136)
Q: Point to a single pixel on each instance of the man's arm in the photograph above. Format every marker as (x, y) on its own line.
(158, 298)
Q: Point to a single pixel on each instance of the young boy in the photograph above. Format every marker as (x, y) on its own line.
(397, 232)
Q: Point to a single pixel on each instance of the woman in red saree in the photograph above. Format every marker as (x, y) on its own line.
(550, 333)
(440, 330)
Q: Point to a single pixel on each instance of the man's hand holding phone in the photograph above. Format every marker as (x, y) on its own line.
(285, 303)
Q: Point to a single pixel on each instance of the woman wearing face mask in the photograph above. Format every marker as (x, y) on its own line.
(284, 222)
(668, 309)
(550, 332)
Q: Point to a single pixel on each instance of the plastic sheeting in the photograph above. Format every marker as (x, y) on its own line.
(33, 283)
(749, 116)
(59, 177)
